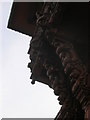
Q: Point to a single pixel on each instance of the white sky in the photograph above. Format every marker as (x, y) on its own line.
(18, 97)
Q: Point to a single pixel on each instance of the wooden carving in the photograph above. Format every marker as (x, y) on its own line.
(55, 61)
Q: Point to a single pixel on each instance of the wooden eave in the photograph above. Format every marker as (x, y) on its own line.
(22, 17)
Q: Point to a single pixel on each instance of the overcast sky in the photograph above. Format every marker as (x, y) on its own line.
(18, 97)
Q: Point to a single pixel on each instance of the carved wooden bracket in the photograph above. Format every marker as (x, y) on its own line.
(55, 62)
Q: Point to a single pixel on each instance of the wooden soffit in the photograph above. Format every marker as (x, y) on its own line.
(22, 17)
